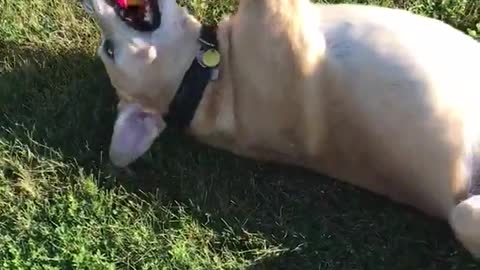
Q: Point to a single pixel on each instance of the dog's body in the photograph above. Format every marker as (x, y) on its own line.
(380, 98)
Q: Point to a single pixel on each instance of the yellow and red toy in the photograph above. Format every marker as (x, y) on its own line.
(130, 3)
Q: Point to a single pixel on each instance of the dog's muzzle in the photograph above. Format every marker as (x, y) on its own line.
(140, 15)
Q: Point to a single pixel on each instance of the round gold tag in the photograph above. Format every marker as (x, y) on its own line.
(211, 58)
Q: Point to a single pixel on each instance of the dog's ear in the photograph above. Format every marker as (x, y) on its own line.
(133, 134)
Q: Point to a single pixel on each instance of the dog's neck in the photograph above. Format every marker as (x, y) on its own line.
(202, 70)
(215, 113)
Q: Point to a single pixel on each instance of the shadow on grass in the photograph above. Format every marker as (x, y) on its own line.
(66, 102)
(61, 99)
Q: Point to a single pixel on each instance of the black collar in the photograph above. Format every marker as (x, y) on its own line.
(187, 98)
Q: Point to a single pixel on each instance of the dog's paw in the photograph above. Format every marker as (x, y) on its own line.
(121, 173)
(465, 222)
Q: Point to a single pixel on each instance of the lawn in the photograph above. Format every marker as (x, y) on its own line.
(188, 206)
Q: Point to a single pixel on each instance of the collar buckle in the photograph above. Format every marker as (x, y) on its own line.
(206, 43)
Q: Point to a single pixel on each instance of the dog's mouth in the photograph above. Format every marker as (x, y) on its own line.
(141, 15)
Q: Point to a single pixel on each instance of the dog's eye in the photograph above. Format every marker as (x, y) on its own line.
(108, 48)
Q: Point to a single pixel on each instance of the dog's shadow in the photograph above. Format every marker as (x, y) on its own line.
(66, 102)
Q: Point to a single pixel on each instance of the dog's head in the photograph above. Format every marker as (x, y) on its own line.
(146, 52)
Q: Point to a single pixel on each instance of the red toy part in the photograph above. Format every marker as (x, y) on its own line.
(122, 3)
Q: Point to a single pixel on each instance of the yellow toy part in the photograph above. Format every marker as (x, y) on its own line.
(134, 3)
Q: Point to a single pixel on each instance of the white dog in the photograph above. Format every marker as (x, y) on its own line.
(381, 98)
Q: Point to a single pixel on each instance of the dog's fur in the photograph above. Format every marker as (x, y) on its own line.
(380, 98)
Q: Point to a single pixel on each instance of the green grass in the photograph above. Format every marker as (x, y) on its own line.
(188, 206)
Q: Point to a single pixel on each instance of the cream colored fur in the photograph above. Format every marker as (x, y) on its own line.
(380, 98)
